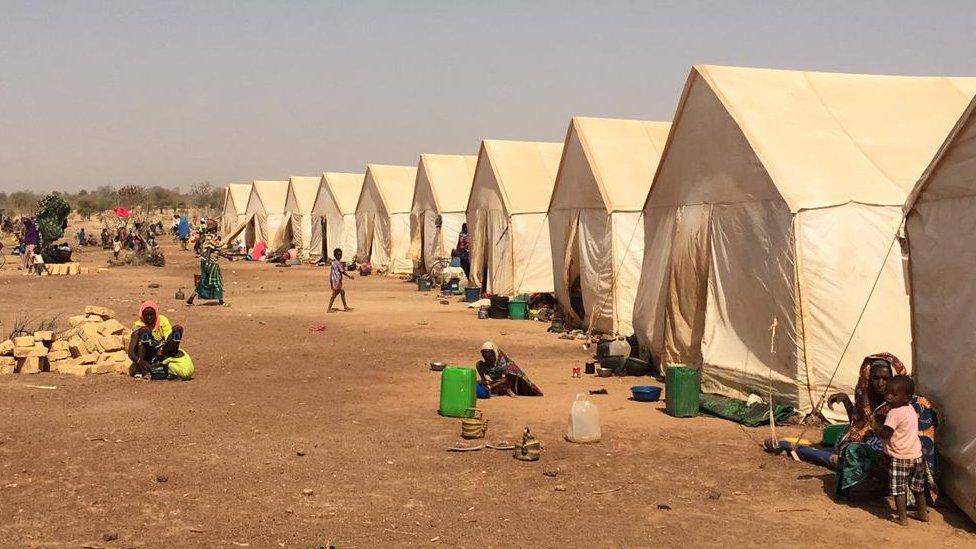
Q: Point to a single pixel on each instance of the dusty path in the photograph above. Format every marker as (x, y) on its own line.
(350, 413)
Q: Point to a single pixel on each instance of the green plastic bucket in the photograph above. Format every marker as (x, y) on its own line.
(682, 391)
(458, 392)
(518, 310)
(833, 433)
(423, 285)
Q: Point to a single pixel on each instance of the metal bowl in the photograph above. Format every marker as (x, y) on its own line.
(604, 372)
(437, 366)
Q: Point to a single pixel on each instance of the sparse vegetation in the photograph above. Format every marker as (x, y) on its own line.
(87, 203)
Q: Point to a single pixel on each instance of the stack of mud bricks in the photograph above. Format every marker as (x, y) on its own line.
(63, 269)
(96, 343)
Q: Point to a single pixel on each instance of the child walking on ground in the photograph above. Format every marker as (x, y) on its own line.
(336, 273)
(907, 470)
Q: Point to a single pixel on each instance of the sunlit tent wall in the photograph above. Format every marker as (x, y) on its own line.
(302, 192)
(334, 213)
(439, 202)
(234, 213)
(774, 211)
(596, 221)
(383, 218)
(267, 205)
(507, 219)
(941, 227)
(263, 216)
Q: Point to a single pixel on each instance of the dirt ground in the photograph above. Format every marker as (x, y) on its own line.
(350, 414)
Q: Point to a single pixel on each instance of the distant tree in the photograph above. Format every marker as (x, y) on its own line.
(131, 196)
(85, 206)
(204, 195)
(160, 198)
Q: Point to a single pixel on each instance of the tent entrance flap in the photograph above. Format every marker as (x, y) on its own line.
(244, 227)
(324, 231)
(687, 285)
(571, 276)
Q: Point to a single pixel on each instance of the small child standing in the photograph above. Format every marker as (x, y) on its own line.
(38, 264)
(336, 273)
(901, 443)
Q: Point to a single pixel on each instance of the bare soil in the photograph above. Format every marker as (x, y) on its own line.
(295, 438)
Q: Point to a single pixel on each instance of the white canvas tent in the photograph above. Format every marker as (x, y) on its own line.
(334, 212)
(302, 192)
(771, 226)
(440, 199)
(595, 218)
(941, 227)
(507, 219)
(265, 215)
(383, 218)
(235, 206)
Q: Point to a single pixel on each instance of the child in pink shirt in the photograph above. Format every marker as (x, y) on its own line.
(903, 447)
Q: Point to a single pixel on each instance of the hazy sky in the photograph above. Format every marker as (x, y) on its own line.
(171, 93)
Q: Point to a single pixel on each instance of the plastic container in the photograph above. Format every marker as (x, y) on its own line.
(614, 363)
(636, 367)
(454, 284)
(646, 393)
(499, 306)
(458, 392)
(617, 347)
(518, 310)
(472, 294)
(482, 391)
(455, 262)
(682, 391)
(423, 285)
(833, 433)
(584, 421)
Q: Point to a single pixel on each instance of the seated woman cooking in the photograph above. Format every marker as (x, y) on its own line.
(860, 453)
(501, 375)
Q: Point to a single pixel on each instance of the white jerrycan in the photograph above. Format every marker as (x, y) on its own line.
(584, 421)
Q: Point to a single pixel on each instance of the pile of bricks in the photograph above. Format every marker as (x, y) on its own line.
(96, 343)
(64, 269)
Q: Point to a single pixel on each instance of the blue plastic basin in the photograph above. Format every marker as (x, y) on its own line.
(646, 393)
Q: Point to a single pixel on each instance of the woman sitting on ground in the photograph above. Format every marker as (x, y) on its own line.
(860, 453)
(501, 375)
(154, 339)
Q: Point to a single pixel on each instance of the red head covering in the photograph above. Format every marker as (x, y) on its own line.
(149, 305)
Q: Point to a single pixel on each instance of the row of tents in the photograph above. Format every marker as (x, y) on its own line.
(760, 236)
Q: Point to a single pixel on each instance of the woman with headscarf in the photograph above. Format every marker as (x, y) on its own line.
(183, 231)
(501, 375)
(154, 339)
(861, 452)
(32, 240)
(211, 283)
(463, 251)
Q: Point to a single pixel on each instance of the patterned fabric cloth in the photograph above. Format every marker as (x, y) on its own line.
(906, 474)
(211, 285)
(335, 275)
(515, 378)
(861, 451)
(861, 422)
